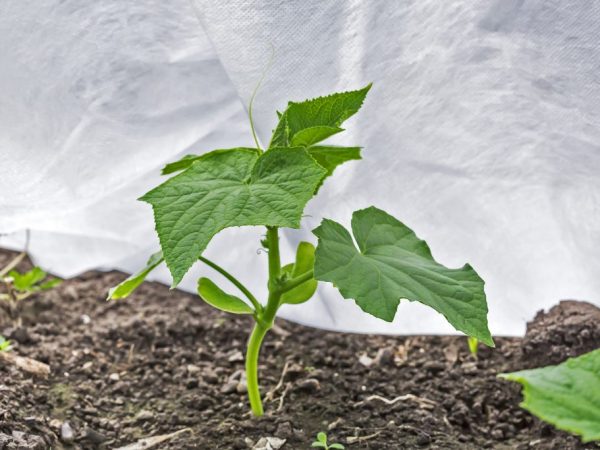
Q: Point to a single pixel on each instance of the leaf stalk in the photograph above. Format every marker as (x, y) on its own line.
(255, 303)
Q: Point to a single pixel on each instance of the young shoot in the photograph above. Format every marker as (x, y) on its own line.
(321, 442)
(5, 344)
(473, 345)
(377, 263)
(17, 287)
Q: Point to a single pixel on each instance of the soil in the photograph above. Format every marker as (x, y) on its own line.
(164, 361)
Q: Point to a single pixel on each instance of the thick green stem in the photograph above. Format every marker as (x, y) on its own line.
(264, 322)
(274, 258)
(256, 338)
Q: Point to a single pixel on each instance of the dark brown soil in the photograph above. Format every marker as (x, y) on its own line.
(163, 361)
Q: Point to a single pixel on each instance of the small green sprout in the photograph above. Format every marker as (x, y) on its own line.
(5, 344)
(321, 442)
(19, 286)
(473, 345)
(378, 262)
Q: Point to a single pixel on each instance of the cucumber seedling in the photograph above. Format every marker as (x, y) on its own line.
(321, 442)
(5, 344)
(473, 344)
(378, 263)
(19, 286)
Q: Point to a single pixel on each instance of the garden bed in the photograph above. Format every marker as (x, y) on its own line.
(163, 361)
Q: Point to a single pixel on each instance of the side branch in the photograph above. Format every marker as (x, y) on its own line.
(255, 303)
(295, 282)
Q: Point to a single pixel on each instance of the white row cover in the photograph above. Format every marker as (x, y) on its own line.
(481, 132)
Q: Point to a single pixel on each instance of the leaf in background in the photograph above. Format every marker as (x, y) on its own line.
(215, 296)
(566, 395)
(305, 261)
(26, 281)
(180, 164)
(330, 111)
(48, 284)
(228, 188)
(392, 263)
(5, 344)
(126, 287)
(188, 160)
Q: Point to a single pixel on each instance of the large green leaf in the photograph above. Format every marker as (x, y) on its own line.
(567, 395)
(126, 287)
(305, 261)
(323, 114)
(392, 263)
(215, 296)
(228, 188)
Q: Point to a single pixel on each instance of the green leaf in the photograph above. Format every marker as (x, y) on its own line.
(180, 164)
(305, 260)
(318, 445)
(392, 263)
(566, 395)
(215, 296)
(26, 281)
(337, 446)
(49, 284)
(330, 111)
(5, 344)
(332, 156)
(126, 287)
(228, 188)
(322, 437)
(312, 135)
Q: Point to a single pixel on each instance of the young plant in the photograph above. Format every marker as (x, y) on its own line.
(473, 344)
(321, 442)
(566, 396)
(5, 344)
(378, 263)
(19, 286)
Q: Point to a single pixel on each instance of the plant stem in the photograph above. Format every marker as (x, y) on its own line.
(235, 281)
(14, 263)
(274, 258)
(265, 323)
(254, 344)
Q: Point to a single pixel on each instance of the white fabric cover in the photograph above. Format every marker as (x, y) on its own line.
(482, 133)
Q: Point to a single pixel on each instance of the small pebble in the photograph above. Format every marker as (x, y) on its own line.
(144, 415)
(309, 385)
(241, 387)
(237, 356)
(66, 433)
(365, 360)
(284, 430)
(229, 387)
